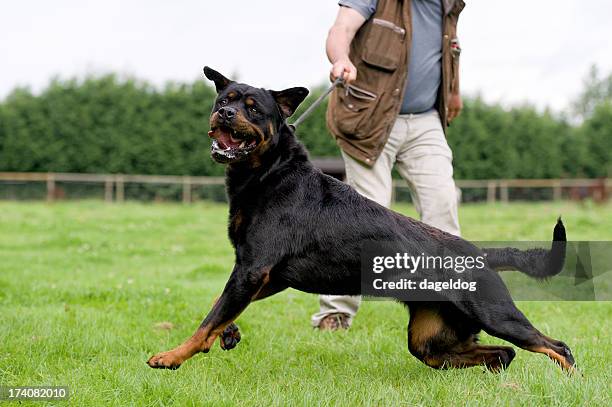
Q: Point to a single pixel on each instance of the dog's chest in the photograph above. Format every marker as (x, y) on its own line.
(236, 223)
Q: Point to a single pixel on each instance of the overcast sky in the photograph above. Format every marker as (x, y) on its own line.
(513, 51)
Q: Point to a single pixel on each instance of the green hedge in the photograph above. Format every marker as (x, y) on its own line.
(111, 125)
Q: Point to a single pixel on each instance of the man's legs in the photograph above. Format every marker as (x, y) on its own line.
(425, 162)
(374, 183)
(418, 145)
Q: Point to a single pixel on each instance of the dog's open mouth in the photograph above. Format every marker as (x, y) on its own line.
(229, 144)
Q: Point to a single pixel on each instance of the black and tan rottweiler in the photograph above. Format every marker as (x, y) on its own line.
(292, 226)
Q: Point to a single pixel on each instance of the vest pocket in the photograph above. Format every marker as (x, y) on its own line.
(384, 45)
(355, 107)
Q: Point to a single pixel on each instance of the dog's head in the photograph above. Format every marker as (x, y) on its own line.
(245, 121)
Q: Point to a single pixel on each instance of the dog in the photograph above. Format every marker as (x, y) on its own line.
(293, 226)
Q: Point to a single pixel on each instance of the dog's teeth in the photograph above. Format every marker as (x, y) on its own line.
(243, 144)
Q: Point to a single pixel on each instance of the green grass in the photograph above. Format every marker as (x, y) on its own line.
(83, 285)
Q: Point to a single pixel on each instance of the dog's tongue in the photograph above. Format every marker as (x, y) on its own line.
(224, 138)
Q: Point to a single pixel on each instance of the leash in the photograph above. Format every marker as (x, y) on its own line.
(338, 82)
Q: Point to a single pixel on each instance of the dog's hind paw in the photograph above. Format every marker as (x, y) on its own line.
(230, 337)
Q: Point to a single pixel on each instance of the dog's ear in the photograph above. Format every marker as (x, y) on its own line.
(288, 100)
(220, 81)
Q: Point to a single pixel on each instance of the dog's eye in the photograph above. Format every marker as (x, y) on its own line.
(223, 102)
(253, 109)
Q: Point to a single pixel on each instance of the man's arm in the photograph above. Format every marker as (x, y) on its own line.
(339, 38)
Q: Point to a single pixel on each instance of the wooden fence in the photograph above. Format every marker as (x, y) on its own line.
(114, 184)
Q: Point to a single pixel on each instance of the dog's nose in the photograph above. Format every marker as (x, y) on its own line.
(227, 113)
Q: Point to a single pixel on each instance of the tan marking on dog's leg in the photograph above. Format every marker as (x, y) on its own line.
(201, 341)
(556, 357)
(424, 325)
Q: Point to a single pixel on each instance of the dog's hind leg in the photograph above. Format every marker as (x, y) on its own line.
(503, 320)
(441, 337)
(492, 309)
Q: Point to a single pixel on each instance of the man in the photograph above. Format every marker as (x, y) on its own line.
(400, 61)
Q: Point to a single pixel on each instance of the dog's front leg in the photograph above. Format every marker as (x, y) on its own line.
(230, 336)
(242, 287)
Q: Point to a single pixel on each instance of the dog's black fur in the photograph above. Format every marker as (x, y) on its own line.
(292, 226)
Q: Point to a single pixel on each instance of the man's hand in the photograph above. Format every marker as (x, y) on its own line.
(339, 40)
(343, 68)
(455, 104)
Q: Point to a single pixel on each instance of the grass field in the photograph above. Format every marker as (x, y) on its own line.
(89, 291)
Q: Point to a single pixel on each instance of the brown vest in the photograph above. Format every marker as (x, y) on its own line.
(360, 116)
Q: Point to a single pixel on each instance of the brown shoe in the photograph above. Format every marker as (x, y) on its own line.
(334, 322)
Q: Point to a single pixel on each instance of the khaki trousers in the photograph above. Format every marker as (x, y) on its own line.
(418, 147)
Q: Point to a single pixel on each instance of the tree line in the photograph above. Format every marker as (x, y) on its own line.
(109, 124)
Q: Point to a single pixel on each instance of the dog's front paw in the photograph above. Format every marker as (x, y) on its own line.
(230, 337)
(165, 360)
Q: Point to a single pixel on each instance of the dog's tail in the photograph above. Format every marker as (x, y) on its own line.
(538, 263)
